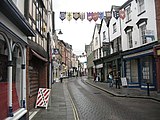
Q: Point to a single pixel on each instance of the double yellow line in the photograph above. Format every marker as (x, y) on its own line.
(75, 112)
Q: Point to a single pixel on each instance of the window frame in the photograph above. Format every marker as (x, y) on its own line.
(141, 6)
(128, 13)
(114, 28)
(129, 39)
(142, 29)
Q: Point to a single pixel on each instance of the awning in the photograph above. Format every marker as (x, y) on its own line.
(39, 56)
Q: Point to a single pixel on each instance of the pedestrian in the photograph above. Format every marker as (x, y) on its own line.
(94, 77)
(97, 77)
(110, 79)
(117, 78)
(61, 77)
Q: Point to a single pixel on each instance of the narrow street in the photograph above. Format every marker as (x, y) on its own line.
(94, 104)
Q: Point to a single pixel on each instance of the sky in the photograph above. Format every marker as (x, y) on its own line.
(79, 33)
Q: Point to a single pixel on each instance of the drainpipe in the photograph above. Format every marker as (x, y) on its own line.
(10, 65)
(23, 85)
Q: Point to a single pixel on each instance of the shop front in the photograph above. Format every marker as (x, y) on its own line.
(140, 67)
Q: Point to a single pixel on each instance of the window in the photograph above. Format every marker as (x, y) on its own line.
(114, 28)
(96, 39)
(128, 13)
(115, 45)
(104, 35)
(147, 69)
(129, 37)
(142, 33)
(132, 71)
(140, 6)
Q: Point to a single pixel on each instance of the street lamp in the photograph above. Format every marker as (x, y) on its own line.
(60, 31)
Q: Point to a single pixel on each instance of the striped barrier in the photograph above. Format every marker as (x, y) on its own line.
(43, 97)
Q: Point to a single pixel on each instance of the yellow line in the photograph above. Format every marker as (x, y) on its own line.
(76, 117)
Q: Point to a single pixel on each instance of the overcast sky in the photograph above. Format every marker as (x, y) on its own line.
(78, 33)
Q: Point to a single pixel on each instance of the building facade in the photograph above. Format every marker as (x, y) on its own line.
(139, 35)
(14, 30)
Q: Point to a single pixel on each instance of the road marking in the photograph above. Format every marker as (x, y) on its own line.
(75, 112)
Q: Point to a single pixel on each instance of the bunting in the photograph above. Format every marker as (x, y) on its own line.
(82, 16)
(69, 16)
(95, 16)
(76, 15)
(62, 15)
(122, 14)
(91, 15)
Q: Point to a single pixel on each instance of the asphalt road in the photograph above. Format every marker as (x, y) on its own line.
(94, 104)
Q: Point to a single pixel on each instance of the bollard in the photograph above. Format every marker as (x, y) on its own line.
(148, 92)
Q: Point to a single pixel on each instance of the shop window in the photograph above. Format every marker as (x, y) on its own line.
(132, 71)
(17, 78)
(147, 70)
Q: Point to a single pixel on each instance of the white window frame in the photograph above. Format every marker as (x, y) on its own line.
(142, 29)
(114, 28)
(128, 13)
(129, 38)
(104, 35)
(141, 6)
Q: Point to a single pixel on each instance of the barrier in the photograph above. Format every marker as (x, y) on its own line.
(43, 97)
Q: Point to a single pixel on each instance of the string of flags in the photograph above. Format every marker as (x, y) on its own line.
(81, 15)
(90, 15)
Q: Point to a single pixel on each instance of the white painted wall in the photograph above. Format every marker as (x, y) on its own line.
(118, 32)
(151, 23)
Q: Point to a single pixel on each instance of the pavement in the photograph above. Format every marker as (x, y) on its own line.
(61, 107)
(124, 91)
